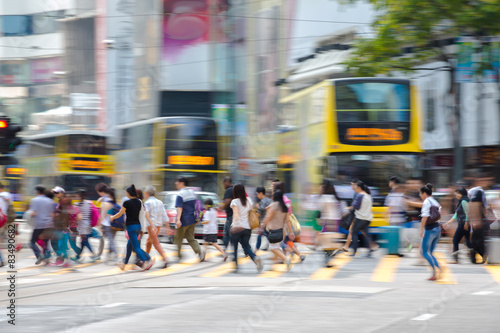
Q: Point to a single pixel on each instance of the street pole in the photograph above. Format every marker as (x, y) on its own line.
(458, 150)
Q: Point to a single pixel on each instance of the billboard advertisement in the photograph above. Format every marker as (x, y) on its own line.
(190, 29)
(42, 70)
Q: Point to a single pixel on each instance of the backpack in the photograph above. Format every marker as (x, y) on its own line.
(295, 225)
(94, 215)
(198, 211)
(119, 223)
(434, 216)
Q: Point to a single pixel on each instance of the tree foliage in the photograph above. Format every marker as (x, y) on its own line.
(419, 26)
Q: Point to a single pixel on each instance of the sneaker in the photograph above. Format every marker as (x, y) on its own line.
(225, 257)
(38, 261)
(165, 265)
(302, 257)
(259, 264)
(485, 259)
(121, 265)
(59, 261)
(75, 258)
(288, 264)
(95, 258)
(66, 263)
(147, 265)
(202, 255)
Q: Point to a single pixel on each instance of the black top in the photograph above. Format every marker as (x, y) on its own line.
(229, 195)
(133, 208)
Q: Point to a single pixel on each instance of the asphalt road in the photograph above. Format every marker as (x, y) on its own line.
(379, 294)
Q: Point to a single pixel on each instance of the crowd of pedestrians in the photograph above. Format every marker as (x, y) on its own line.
(65, 223)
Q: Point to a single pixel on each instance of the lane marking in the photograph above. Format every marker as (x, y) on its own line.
(425, 316)
(112, 305)
(386, 269)
(483, 293)
(328, 273)
(324, 289)
(279, 269)
(494, 272)
(446, 273)
(181, 266)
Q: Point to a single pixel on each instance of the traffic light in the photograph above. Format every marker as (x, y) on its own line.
(8, 135)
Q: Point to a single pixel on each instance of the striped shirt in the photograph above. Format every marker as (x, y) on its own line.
(156, 212)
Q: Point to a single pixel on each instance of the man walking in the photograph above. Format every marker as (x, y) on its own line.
(227, 182)
(43, 210)
(157, 216)
(186, 222)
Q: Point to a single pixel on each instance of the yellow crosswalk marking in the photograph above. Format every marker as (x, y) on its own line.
(228, 267)
(386, 269)
(328, 273)
(181, 266)
(446, 273)
(278, 269)
(494, 271)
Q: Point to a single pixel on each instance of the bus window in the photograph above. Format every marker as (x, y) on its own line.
(73, 183)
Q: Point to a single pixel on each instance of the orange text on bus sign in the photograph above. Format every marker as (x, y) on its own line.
(191, 160)
(82, 164)
(373, 134)
(15, 171)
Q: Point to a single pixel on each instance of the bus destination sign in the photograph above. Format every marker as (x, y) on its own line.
(191, 160)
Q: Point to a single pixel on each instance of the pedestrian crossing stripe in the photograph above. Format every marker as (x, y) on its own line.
(386, 269)
(446, 274)
(327, 273)
(70, 269)
(181, 266)
(228, 267)
(494, 272)
(278, 269)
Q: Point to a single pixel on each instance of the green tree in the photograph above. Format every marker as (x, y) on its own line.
(407, 34)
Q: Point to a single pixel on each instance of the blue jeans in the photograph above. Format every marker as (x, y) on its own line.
(259, 239)
(429, 242)
(133, 244)
(227, 232)
(243, 238)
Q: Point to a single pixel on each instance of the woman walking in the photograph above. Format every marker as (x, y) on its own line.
(462, 217)
(430, 229)
(84, 225)
(240, 227)
(362, 205)
(276, 217)
(132, 209)
(70, 217)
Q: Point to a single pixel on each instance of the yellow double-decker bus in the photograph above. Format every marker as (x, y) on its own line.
(157, 151)
(341, 129)
(71, 159)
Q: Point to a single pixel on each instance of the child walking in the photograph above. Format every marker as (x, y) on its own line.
(210, 227)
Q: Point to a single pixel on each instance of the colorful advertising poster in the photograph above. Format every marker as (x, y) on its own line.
(221, 114)
(189, 30)
(14, 72)
(42, 70)
(465, 61)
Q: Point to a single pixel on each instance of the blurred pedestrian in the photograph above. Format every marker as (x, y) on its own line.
(395, 201)
(156, 217)
(430, 230)
(227, 182)
(186, 222)
(107, 200)
(84, 225)
(69, 219)
(330, 207)
(277, 217)
(479, 227)
(42, 209)
(210, 227)
(262, 205)
(132, 209)
(288, 243)
(462, 217)
(362, 205)
(240, 228)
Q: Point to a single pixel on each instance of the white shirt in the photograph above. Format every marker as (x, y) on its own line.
(243, 212)
(5, 198)
(365, 211)
(397, 205)
(212, 226)
(330, 207)
(426, 206)
(156, 211)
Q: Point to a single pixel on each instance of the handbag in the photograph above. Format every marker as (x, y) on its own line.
(275, 236)
(346, 221)
(253, 219)
(235, 230)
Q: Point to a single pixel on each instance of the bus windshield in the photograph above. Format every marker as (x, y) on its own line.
(73, 183)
